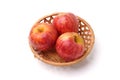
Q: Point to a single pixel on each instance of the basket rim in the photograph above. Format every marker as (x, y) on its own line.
(71, 62)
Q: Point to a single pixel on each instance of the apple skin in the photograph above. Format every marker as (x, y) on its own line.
(43, 36)
(66, 22)
(70, 46)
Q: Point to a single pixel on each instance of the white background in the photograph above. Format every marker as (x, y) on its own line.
(17, 61)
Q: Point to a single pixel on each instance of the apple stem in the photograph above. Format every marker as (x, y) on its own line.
(40, 30)
(75, 38)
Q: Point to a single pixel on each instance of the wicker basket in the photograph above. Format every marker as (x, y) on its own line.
(51, 57)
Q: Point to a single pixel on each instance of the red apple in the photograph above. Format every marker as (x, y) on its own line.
(43, 36)
(66, 22)
(70, 46)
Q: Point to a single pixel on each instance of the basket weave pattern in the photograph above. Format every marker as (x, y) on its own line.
(52, 57)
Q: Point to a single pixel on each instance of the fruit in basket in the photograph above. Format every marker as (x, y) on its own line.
(43, 36)
(70, 46)
(66, 22)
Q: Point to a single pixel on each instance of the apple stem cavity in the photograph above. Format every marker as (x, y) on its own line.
(78, 40)
(40, 30)
(75, 39)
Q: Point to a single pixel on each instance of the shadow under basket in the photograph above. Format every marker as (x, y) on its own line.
(51, 57)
